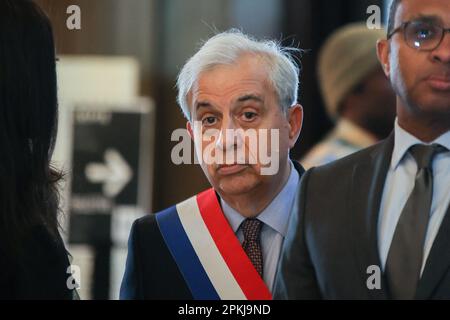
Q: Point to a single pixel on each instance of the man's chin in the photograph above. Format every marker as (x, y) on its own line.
(431, 102)
(436, 111)
(238, 184)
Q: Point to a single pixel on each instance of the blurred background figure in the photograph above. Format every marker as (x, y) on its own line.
(357, 94)
(34, 261)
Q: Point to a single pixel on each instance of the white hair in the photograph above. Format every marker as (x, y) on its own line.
(225, 49)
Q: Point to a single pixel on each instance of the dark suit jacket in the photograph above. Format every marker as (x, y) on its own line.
(333, 236)
(39, 272)
(151, 272)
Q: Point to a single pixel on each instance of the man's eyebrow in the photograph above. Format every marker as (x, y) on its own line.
(426, 18)
(204, 104)
(247, 97)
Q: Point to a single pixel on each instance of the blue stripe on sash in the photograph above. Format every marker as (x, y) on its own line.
(184, 254)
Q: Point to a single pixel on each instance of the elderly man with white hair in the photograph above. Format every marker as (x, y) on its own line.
(224, 243)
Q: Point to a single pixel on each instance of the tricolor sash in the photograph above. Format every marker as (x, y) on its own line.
(208, 253)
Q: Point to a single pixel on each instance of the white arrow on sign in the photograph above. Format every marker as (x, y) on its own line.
(115, 173)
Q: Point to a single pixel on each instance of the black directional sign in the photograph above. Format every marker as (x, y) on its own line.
(106, 164)
(110, 160)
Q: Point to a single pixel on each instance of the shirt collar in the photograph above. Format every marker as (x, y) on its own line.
(404, 140)
(276, 214)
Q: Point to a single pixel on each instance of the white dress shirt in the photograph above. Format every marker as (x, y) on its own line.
(275, 218)
(400, 183)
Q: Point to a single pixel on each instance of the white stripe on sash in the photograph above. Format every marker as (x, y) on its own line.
(209, 255)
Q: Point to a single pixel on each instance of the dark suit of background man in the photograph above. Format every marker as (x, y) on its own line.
(387, 207)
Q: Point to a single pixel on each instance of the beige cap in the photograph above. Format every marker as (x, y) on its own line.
(346, 58)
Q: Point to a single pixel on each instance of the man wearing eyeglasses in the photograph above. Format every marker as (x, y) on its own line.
(381, 229)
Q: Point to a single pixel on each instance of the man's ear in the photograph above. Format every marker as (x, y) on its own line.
(383, 52)
(190, 130)
(295, 118)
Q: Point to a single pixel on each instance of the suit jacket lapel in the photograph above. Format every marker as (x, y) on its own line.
(438, 261)
(367, 186)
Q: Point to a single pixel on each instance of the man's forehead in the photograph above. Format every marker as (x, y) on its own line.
(234, 87)
(416, 9)
(238, 88)
(245, 69)
(248, 75)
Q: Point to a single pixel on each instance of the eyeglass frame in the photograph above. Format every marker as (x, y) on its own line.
(405, 24)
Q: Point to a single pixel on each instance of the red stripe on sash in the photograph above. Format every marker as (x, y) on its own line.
(230, 248)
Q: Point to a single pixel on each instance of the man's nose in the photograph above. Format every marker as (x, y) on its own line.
(227, 139)
(442, 52)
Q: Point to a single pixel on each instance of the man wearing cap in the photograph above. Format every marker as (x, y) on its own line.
(357, 94)
(376, 224)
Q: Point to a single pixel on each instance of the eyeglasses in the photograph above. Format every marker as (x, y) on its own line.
(421, 35)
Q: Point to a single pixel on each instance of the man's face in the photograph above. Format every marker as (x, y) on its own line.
(421, 79)
(240, 97)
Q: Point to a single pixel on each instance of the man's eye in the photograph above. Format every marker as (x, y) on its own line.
(423, 31)
(249, 115)
(209, 121)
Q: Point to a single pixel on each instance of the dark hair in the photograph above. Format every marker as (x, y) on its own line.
(28, 122)
(392, 13)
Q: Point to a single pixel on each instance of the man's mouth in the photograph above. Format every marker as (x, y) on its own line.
(439, 82)
(228, 169)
